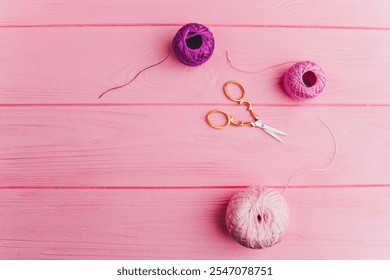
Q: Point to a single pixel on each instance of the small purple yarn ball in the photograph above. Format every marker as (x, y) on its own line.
(304, 80)
(193, 44)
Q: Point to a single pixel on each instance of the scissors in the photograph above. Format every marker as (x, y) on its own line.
(242, 101)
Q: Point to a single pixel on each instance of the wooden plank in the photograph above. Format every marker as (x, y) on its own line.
(326, 223)
(75, 65)
(299, 12)
(174, 146)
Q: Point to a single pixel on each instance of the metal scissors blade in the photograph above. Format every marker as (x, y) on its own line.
(274, 135)
(270, 130)
(264, 126)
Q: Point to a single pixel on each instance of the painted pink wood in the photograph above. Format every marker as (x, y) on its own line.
(326, 223)
(173, 146)
(330, 13)
(75, 65)
(57, 56)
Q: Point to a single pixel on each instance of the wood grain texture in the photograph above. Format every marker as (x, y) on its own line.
(174, 146)
(138, 174)
(330, 13)
(75, 65)
(326, 223)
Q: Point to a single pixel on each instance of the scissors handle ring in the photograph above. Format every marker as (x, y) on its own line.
(225, 90)
(228, 119)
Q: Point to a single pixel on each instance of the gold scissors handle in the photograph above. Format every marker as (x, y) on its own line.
(240, 100)
(225, 90)
(228, 120)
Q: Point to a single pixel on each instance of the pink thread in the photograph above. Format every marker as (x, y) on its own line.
(235, 68)
(319, 169)
(335, 149)
(193, 44)
(135, 77)
(304, 80)
(257, 217)
(288, 183)
(252, 72)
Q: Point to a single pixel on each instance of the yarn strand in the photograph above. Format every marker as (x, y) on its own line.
(235, 68)
(252, 72)
(319, 169)
(334, 152)
(135, 77)
(288, 184)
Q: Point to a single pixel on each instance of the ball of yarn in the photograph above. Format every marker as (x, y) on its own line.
(304, 80)
(257, 217)
(193, 44)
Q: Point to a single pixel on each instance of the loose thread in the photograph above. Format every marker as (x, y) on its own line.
(253, 72)
(334, 152)
(235, 68)
(288, 183)
(319, 169)
(135, 77)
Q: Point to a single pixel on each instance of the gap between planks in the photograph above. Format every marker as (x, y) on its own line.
(188, 187)
(188, 105)
(85, 25)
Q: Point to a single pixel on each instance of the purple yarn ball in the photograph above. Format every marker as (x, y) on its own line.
(304, 80)
(193, 44)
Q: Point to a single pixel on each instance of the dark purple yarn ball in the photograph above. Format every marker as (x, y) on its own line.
(193, 44)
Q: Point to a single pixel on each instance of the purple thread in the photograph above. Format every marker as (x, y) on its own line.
(193, 44)
(304, 80)
(135, 77)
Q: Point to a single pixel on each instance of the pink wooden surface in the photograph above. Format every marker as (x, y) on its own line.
(84, 62)
(326, 223)
(170, 145)
(139, 174)
(297, 13)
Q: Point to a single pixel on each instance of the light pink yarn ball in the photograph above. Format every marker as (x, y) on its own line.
(257, 217)
(304, 80)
